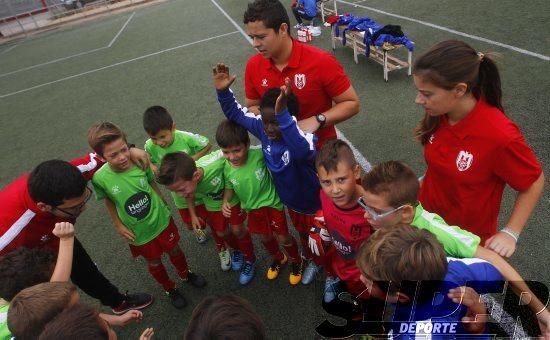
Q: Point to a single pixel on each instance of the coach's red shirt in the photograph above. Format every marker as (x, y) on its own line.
(348, 229)
(316, 78)
(22, 224)
(469, 164)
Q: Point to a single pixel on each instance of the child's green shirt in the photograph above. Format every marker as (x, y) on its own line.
(456, 241)
(252, 182)
(4, 331)
(211, 186)
(138, 206)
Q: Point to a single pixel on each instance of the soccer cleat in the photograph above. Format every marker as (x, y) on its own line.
(332, 288)
(247, 274)
(298, 26)
(296, 270)
(195, 280)
(176, 298)
(225, 259)
(315, 30)
(309, 273)
(201, 236)
(133, 301)
(275, 268)
(237, 260)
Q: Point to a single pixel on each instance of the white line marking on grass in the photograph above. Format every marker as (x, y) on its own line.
(358, 156)
(8, 49)
(71, 56)
(471, 36)
(116, 64)
(121, 29)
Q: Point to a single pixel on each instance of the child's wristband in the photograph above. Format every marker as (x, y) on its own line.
(513, 234)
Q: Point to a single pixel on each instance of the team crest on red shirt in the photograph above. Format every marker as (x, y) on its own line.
(300, 80)
(464, 160)
(355, 230)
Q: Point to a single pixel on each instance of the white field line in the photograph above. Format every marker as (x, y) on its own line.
(116, 64)
(121, 29)
(8, 49)
(471, 36)
(358, 156)
(73, 55)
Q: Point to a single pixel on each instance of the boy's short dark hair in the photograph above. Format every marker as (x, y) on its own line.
(224, 317)
(271, 12)
(155, 119)
(54, 181)
(103, 133)
(396, 180)
(34, 307)
(270, 98)
(176, 166)
(333, 152)
(23, 268)
(76, 322)
(231, 134)
(404, 255)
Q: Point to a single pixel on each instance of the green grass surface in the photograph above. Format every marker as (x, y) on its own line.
(119, 83)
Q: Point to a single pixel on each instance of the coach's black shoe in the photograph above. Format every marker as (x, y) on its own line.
(195, 280)
(176, 298)
(133, 301)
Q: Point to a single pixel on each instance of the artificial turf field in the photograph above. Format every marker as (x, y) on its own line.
(54, 85)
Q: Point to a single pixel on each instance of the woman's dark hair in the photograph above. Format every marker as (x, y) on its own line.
(449, 63)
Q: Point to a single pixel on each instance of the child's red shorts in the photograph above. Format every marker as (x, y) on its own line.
(219, 223)
(267, 220)
(163, 243)
(200, 210)
(302, 222)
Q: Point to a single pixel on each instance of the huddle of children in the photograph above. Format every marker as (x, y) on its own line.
(372, 239)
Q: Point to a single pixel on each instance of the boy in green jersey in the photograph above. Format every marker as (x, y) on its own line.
(164, 139)
(246, 176)
(203, 179)
(139, 213)
(390, 199)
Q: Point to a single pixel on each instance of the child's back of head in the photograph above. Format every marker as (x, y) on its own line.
(404, 255)
(226, 317)
(156, 119)
(230, 134)
(23, 268)
(176, 166)
(394, 180)
(34, 307)
(77, 322)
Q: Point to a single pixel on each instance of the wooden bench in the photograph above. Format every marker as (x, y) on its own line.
(384, 55)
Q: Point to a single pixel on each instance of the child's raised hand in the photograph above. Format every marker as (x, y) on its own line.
(222, 78)
(147, 334)
(63, 230)
(280, 104)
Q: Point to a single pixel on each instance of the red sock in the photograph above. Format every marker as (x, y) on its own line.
(232, 241)
(246, 247)
(160, 274)
(219, 242)
(292, 251)
(272, 247)
(180, 263)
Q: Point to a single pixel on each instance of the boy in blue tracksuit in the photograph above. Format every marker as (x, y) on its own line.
(305, 10)
(289, 152)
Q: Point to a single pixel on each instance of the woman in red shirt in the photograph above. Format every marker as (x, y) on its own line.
(472, 149)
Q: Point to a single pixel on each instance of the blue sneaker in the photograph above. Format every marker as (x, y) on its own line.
(332, 288)
(237, 260)
(247, 274)
(309, 273)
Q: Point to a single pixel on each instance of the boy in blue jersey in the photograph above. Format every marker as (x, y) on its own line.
(408, 266)
(289, 153)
